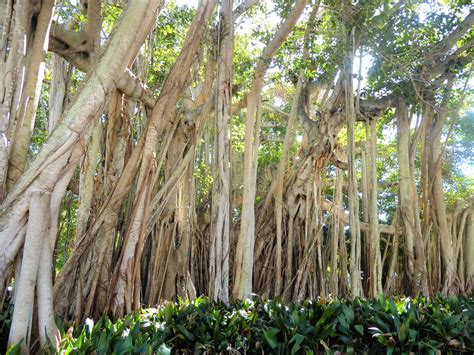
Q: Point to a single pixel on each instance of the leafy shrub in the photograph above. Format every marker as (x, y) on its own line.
(392, 326)
(5, 321)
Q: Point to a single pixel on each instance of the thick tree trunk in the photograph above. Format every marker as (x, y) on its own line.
(173, 222)
(302, 201)
(44, 283)
(72, 298)
(393, 274)
(282, 166)
(365, 235)
(57, 98)
(424, 205)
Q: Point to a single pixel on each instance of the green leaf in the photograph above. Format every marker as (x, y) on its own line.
(185, 332)
(124, 346)
(413, 334)
(103, 345)
(270, 337)
(15, 349)
(348, 313)
(359, 328)
(298, 339)
(403, 333)
(453, 320)
(382, 299)
(390, 349)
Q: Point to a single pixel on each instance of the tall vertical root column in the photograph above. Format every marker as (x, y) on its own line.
(409, 213)
(437, 195)
(336, 235)
(86, 184)
(161, 117)
(25, 299)
(243, 264)
(16, 37)
(354, 223)
(220, 223)
(26, 116)
(280, 178)
(58, 158)
(375, 258)
(469, 252)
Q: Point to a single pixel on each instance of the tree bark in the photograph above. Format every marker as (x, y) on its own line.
(25, 296)
(86, 183)
(409, 213)
(356, 284)
(12, 77)
(25, 119)
(161, 117)
(375, 257)
(437, 196)
(469, 253)
(60, 155)
(220, 223)
(336, 236)
(243, 263)
(278, 194)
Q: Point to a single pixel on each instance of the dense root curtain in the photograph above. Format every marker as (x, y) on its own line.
(42, 185)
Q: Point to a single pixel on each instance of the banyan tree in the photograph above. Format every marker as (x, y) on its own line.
(295, 149)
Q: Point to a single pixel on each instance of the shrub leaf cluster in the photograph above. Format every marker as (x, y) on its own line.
(255, 326)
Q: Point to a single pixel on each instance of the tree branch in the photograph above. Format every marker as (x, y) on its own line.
(240, 9)
(450, 40)
(72, 46)
(383, 228)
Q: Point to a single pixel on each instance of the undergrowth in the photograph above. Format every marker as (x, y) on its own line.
(383, 326)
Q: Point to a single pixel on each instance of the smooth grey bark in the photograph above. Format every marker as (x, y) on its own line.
(12, 77)
(221, 218)
(28, 104)
(409, 212)
(469, 253)
(354, 221)
(375, 257)
(437, 195)
(58, 92)
(86, 183)
(22, 319)
(337, 237)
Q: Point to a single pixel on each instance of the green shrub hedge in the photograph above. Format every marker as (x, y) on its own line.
(391, 326)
